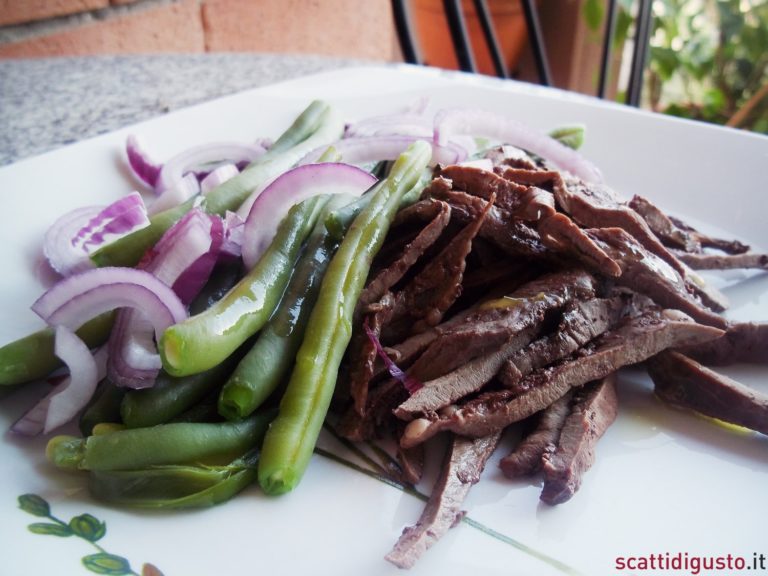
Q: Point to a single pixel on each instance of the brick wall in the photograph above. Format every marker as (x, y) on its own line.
(41, 28)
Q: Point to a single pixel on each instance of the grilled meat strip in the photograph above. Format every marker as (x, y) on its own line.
(742, 342)
(685, 383)
(648, 274)
(526, 458)
(724, 261)
(637, 339)
(663, 226)
(593, 410)
(464, 463)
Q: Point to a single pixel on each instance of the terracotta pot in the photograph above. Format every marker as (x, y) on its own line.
(435, 37)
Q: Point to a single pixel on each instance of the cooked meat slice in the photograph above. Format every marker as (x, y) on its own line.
(581, 323)
(710, 261)
(742, 342)
(439, 214)
(382, 399)
(596, 206)
(425, 299)
(637, 339)
(729, 246)
(494, 322)
(519, 201)
(648, 274)
(363, 354)
(709, 296)
(514, 237)
(561, 234)
(464, 463)
(526, 458)
(462, 381)
(412, 463)
(593, 410)
(664, 228)
(545, 179)
(510, 156)
(685, 383)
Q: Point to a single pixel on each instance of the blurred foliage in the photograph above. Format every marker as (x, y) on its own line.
(708, 58)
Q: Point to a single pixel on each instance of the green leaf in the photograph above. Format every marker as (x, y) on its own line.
(665, 61)
(571, 136)
(592, 11)
(88, 527)
(35, 505)
(50, 529)
(104, 563)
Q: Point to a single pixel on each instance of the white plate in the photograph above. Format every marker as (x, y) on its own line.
(664, 482)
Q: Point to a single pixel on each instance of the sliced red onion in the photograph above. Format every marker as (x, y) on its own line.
(390, 124)
(185, 188)
(142, 166)
(231, 152)
(291, 188)
(411, 384)
(368, 149)
(234, 226)
(120, 218)
(217, 177)
(72, 238)
(65, 258)
(183, 259)
(457, 121)
(78, 298)
(70, 395)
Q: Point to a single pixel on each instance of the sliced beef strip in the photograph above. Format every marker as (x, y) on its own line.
(425, 299)
(464, 380)
(709, 296)
(648, 274)
(596, 206)
(711, 261)
(593, 410)
(462, 468)
(514, 237)
(526, 458)
(637, 339)
(742, 342)
(561, 234)
(685, 383)
(519, 201)
(411, 463)
(664, 228)
(728, 246)
(506, 155)
(488, 327)
(382, 399)
(438, 214)
(581, 323)
(363, 352)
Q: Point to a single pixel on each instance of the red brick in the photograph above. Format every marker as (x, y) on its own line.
(20, 11)
(168, 28)
(348, 28)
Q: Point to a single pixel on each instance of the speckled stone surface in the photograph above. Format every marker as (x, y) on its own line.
(48, 103)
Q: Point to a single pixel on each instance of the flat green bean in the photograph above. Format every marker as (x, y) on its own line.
(291, 438)
(265, 365)
(203, 341)
(31, 357)
(165, 444)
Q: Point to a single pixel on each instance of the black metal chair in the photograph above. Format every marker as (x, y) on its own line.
(465, 57)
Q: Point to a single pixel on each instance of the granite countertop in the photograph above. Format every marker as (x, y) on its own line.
(48, 103)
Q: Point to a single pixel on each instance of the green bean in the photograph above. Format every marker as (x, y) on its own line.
(171, 396)
(168, 487)
(316, 126)
(164, 444)
(263, 368)
(203, 341)
(222, 280)
(31, 357)
(103, 407)
(571, 136)
(291, 438)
